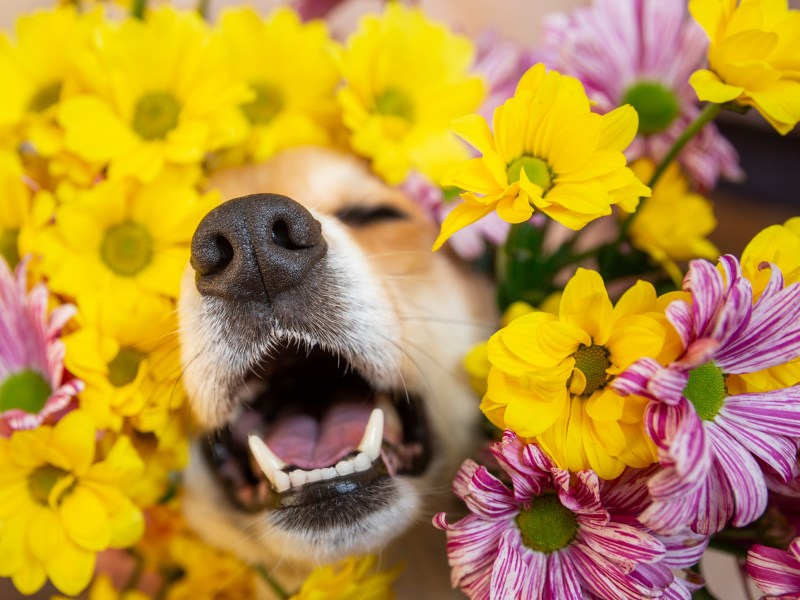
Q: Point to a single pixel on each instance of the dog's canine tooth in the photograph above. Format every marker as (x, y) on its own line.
(271, 465)
(373, 435)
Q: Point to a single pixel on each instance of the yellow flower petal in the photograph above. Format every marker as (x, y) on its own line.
(72, 442)
(71, 569)
(585, 304)
(85, 519)
(461, 216)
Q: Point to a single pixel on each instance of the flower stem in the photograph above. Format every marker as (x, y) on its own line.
(274, 585)
(137, 9)
(708, 114)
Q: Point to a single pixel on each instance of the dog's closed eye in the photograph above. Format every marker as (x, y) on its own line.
(362, 215)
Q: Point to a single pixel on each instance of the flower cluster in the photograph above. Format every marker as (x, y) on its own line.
(638, 420)
(674, 410)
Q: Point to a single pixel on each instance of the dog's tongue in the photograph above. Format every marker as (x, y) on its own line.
(303, 441)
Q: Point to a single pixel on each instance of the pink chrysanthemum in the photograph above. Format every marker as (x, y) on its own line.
(553, 536)
(31, 354)
(775, 572)
(642, 52)
(714, 446)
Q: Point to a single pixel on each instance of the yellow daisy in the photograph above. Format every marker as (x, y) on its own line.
(405, 79)
(60, 508)
(752, 57)
(155, 92)
(118, 234)
(165, 452)
(289, 68)
(35, 70)
(353, 579)
(126, 352)
(103, 589)
(208, 572)
(673, 224)
(15, 206)
(550, 374)
(549, 152)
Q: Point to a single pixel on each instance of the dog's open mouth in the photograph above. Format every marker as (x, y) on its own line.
(307, 428)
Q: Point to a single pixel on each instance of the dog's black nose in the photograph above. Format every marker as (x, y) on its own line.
(255, 247)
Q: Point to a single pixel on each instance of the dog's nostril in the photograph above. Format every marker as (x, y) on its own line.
(281, 236)
(218, 255)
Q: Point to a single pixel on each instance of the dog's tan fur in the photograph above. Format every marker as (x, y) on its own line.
(419, 312)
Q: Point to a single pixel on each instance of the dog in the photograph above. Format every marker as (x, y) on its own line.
(322, 344)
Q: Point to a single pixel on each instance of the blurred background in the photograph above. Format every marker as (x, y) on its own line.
(768, 194)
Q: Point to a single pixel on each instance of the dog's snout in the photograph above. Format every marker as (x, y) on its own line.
(255, 247)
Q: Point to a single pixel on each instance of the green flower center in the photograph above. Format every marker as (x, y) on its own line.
(706, 389)
(8, 246)
(26, 390)
(45, 97)
(156, 115)
(127, 248)
(547, 525)
(396, 103)
(267, 103)
(536, 170)
(124, 366)
(593, 361)
(657, 106)
(42, 481)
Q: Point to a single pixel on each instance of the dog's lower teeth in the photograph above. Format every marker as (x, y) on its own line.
(328, 473)
(298, 477)
(345, 467)
(362, 462)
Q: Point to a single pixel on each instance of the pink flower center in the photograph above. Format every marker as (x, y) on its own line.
(547, 525)
(656, 105)
(26, 390)
(155, 115)
(536, 170)
(267, 103)
(706, 390)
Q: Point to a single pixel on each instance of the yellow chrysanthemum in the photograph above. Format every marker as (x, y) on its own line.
(126, 353)
(165, 451)
(59, 507)
(353, 579)
(550, 374)
(779, 245)
(117, 234)
(155, 92)
(752, 57)
(15, 206)
(103, 589)
(476, 362)
(290, 70)
(405, 79)
(673, 224)
(208, 573)
(549, 152)
(35, 70)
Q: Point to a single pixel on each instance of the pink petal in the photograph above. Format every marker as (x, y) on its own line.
(776, 412)
(622, 542)
(743, 475)
(777, 451)
(562, 579)
(508, 571)
(488, 497)
(775, 572)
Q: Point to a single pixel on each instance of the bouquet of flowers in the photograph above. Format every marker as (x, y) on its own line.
(640, 410)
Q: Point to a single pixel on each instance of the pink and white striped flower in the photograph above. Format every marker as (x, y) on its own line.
(714, 446)
(776, 572)
(551, 536)
(31, 354)
(642, 52)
